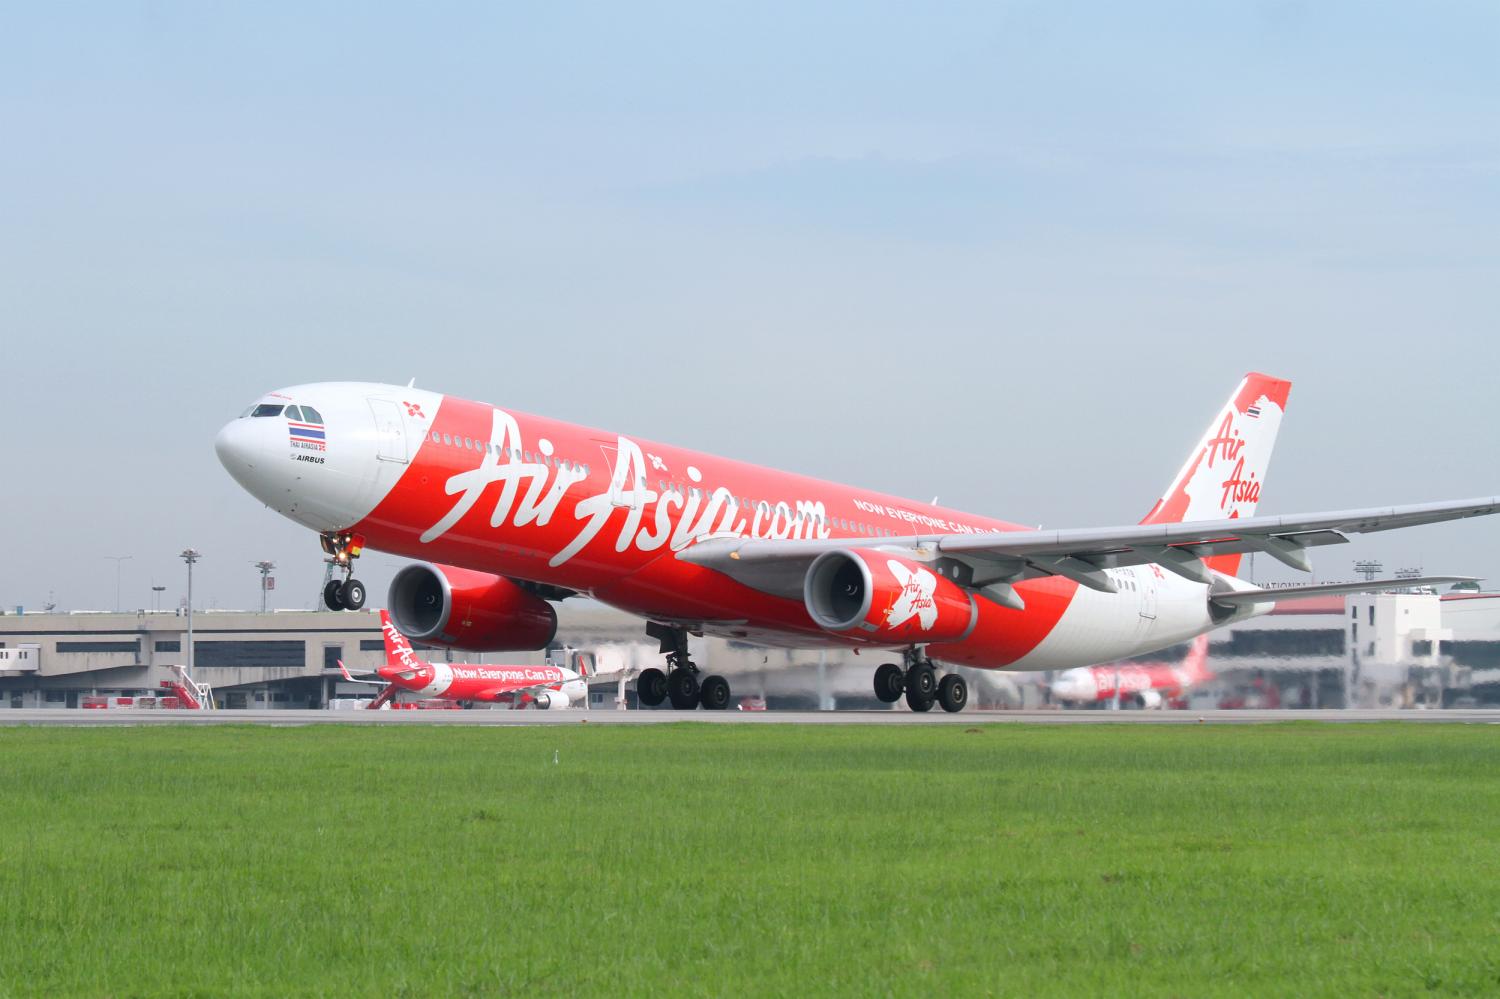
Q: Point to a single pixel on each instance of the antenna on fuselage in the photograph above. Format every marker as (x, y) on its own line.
(412, 383)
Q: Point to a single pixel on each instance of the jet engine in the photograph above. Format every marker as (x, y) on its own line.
(886, 599)
(1149, 699)
(552, 699)
(471, 611)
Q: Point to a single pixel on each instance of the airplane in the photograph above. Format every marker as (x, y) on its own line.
(510, 512)
(546, 686)
(1148, 685)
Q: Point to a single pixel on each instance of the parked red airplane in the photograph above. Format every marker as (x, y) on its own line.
(513, 511)
(546, 686)
(1149, 685)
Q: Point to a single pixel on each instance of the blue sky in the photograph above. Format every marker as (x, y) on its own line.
(1014, 254)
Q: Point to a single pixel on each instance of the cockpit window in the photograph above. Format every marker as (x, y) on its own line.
(310, 415)
(266, 409)
(293, 413)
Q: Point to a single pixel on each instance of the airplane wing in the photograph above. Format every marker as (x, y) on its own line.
(1279, 593)
(494, 694)
(354, 679)
(991, 563)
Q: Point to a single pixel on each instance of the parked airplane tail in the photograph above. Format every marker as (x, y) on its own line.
(398, 651)
(1195, 663)
(1223, 475)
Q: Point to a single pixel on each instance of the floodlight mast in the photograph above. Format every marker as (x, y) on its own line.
(265, 576)
(190, 556)
(119, 561)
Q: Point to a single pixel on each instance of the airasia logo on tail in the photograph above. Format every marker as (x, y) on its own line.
(1225, 480)
(397, 648)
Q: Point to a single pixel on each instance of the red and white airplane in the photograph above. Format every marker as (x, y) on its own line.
(546, 686)
(511, 512)
(1149, 685)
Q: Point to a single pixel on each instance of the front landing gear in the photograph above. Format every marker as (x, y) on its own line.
(919, 682)
(681, 684)
(343, 549)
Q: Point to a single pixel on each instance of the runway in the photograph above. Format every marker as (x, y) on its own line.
(126, 716)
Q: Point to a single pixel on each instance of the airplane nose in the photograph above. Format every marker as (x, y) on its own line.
(236, 447)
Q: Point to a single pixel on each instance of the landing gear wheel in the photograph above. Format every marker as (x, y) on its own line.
(352, 594)
(651, 687)
(953, 693)
(922, 679)
(714, 694)
(333, 597)
(916, 701)
(890, 683)
(682, 688)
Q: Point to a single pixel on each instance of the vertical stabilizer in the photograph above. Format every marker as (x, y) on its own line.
(1223, 475)
(398, 651)
(1195, 663)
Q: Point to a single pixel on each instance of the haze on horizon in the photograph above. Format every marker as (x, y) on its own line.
(1010, 254)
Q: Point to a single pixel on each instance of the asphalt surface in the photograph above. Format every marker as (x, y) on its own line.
(128, 716)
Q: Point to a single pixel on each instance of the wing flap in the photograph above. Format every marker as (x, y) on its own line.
(1263, 596)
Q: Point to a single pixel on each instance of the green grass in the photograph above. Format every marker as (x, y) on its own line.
(1007, 860)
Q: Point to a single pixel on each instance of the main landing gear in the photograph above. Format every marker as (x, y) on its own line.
(918, 681)
(680, 684)
(348, 593)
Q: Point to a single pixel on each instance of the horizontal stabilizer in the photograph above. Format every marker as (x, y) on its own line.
(1261, 596)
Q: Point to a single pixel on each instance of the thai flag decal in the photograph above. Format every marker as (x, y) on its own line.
(1253, 412)
(306, 435)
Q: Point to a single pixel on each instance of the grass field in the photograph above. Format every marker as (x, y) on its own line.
(1007, 860)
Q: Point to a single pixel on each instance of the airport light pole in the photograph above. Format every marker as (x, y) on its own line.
(190, 555)
(156, 592)
(119, 561)
(265, 575)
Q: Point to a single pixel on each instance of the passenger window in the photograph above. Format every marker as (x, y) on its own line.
(266, 409)
(528, 456)
(310, 415)
(447, 440)
(437, 438)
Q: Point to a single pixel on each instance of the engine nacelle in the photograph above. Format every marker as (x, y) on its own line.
(472, 611)
(554, 699)
(1148, 699)
(886, 599)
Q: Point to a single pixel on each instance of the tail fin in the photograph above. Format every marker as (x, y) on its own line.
(398, 651)
(1223, 475)
(1195, 663)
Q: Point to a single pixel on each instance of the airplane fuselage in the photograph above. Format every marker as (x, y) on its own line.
(465, 483)
(453, 682)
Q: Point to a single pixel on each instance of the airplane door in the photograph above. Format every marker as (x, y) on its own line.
(390, 434)
(1146, 582)
(1148, 595)
(622, 493)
